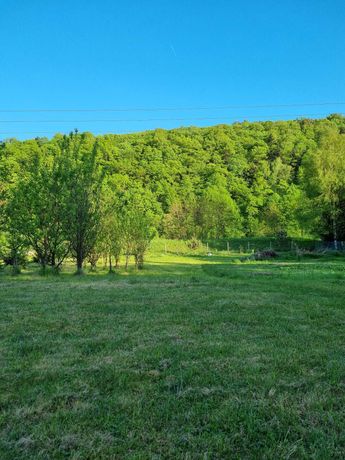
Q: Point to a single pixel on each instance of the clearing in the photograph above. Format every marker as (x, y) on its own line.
(194, 357)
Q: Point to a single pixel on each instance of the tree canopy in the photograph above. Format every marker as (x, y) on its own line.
(262, 178)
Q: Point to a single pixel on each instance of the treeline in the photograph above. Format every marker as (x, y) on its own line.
(58, 202)
(84, 196)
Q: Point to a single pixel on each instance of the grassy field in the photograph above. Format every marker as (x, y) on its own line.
(194, 357)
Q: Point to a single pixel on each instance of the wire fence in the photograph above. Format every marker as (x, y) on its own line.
(250, 245)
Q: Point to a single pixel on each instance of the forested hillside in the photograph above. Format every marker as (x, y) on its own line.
(283, 178)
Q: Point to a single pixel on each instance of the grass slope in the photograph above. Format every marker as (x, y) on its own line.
(195, 357)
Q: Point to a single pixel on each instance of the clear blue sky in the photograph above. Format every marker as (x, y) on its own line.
(66, 54)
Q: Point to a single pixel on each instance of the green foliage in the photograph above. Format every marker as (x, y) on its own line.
(324, 180)
(35, 209)
(83, 179)
(218, 214)
(137, 220)
(179, 222)
(87, 195)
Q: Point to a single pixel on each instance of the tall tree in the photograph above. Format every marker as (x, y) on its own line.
(112, 227)
(84, 177)
(218, 214)
(324, 179)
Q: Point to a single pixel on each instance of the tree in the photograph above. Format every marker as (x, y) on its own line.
(142, 233)
(35, 210)
(252, 178)
(179, 222)
(323, 175)
(136, 213)
(218, 214)
(137, 234)
(112, 228)
(84, 178)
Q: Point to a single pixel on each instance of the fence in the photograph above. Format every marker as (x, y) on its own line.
(248, 245)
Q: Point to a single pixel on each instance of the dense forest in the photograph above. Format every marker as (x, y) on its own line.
(82, 195)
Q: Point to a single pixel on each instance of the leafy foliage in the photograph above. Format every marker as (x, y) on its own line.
(110, 194)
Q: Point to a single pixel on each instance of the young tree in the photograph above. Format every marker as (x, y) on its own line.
(84, 177)
(179, 222)
(137, 219)
(115, 241)
(137, 235)
(142, 234)
(218, 214)
(111, 234)
(35, 210)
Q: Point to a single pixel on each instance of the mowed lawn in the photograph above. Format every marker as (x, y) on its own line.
(194, 357)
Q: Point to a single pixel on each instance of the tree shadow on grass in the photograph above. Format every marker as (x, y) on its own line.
(187, 267)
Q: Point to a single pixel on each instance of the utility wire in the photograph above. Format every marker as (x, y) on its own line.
(161, 109)
(229, 120)
(127, 120)
(68, 131)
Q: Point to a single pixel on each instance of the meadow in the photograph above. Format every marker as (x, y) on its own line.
(195, 356)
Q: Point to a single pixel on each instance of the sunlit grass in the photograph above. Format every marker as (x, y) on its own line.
(195, 356)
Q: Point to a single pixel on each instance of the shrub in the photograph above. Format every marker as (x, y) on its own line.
(194, 243)
(265, 254)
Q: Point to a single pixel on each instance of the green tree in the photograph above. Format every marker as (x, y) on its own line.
(179, 222)
(112, 229)
(324, 179)
(35, 210)
(84, 179)
(137, 219)
(218, 215)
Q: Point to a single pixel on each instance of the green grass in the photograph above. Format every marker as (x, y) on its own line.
(194, 357)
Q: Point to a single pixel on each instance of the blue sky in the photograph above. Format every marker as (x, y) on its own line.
(176, 54)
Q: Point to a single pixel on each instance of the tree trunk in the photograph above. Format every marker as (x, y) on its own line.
(110, 264)
(117, 262)
(335, 236)
(43, 262)
(79, 263)
(15, 262)
(140, 262)
(127, 259)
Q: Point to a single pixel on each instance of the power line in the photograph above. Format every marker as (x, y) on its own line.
(128, 120)
(161, 109)
(66, 130)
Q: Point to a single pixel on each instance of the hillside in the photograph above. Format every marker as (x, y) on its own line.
(227, 180)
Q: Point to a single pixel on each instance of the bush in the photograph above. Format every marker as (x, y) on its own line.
(282, 235)
(265, 254)
(194, 243)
